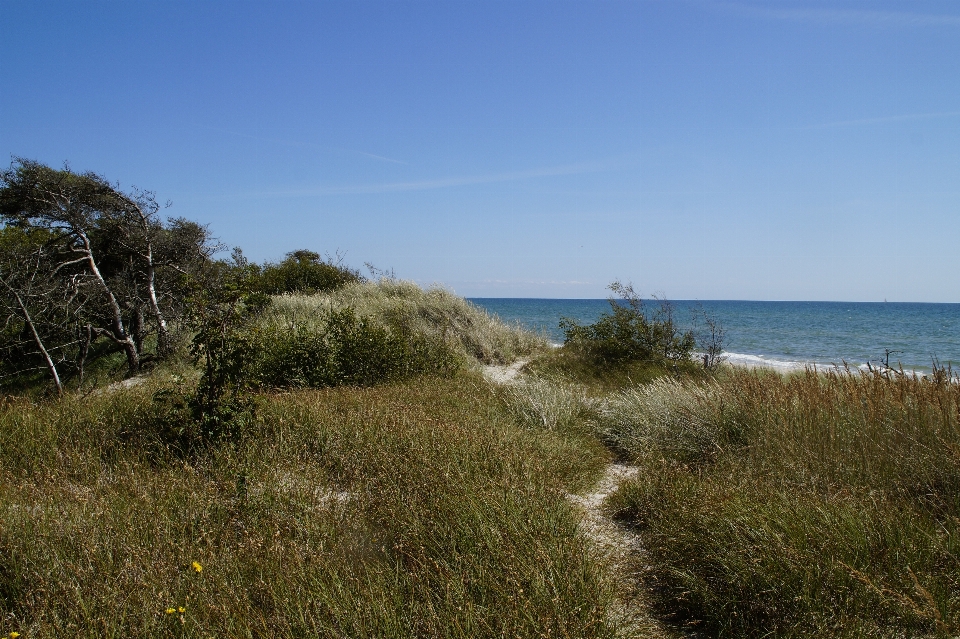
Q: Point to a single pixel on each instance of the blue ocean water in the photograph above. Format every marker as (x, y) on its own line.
(790, 334)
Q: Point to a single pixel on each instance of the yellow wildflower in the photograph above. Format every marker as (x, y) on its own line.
(196, 566)
(170, 611)
(181, 610)
(14, 634)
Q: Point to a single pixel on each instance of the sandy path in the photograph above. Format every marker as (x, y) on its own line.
(504, 374)
(619, 547)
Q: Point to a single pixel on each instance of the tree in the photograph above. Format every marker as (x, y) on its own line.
(155, 258)
(111, 247)
(34, 305)
(70, 206)
(710, 338)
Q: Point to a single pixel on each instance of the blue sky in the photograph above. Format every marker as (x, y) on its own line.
(711, 150)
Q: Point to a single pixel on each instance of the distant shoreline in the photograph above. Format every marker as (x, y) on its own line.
(785, 336)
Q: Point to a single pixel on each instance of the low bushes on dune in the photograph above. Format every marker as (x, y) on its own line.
(340, 347)
(362, 334)
(370, 332)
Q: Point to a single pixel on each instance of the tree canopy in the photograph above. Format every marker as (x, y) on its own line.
(84, 261)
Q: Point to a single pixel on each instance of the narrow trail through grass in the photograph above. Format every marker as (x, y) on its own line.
(518, 492)
(614, 544)
(619, 548)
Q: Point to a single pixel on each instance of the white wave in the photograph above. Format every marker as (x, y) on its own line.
(787, 366)
(759, 361)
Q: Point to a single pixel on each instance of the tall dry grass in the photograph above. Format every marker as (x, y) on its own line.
(810, 505)
(414, 509)
(433, 312)
(552, 404)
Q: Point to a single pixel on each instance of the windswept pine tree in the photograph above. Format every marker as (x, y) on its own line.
(84, 261)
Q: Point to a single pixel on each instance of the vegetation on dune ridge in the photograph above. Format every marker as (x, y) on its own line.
(434, 312)
(304, 272)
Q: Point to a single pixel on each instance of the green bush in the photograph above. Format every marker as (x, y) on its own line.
(629, 333)
(304, 272)
(364, 334)
(340, 348)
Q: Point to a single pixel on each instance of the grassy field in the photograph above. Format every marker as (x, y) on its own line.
(437, 504)
(412, 509)
(426, 506)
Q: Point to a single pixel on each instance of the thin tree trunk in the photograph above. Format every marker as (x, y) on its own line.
(163, 333)
(36, 339)
(84, 350)
(120, 334)
(137, 328)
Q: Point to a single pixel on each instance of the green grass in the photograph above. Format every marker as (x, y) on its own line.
(437, 505)
(569, 364)
(810, 505)
(415, 509)
(434, 313)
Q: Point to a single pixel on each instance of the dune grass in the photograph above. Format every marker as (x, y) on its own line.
(435, 313)
(809, 505)
(436, 505)
(569, 364)
(413, 509)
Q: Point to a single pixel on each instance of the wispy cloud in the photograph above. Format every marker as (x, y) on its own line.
(370, 155)
(298, 143)
(884, 119)
(441, 183)
(867, 17)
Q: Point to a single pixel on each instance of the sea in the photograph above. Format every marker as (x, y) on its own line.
(784, 335)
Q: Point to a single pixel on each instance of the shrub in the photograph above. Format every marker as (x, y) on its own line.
(629, 333)
(339, 347)
(222, 309)
(304, 272)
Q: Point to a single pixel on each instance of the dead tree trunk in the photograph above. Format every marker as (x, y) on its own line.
(37, 340)
(118, 333)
